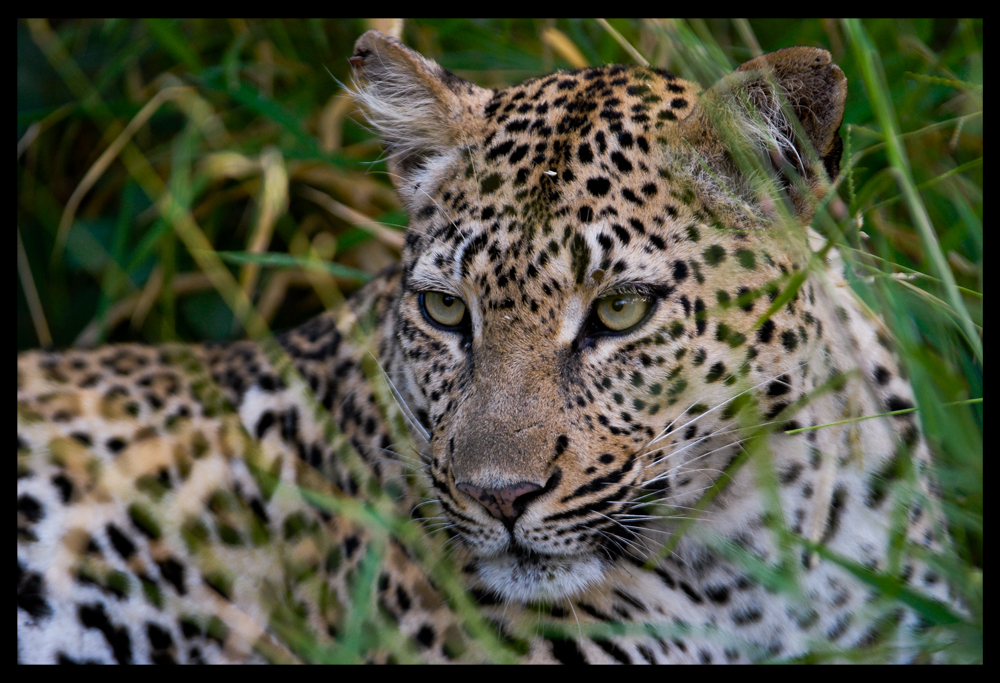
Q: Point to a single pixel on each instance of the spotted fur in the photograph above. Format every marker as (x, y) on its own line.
(161, 505)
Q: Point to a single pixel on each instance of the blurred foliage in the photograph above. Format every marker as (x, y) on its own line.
(144, 146)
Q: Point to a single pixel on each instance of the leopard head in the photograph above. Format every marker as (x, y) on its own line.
(585, 291)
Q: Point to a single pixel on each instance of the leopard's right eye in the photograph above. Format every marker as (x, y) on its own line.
(443, 309)
(620, 312)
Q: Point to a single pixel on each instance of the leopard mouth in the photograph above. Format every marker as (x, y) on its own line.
(526, 576)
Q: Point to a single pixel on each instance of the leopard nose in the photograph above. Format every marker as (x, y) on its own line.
(507, 503)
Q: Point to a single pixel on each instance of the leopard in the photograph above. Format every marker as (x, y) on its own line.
(616, 360)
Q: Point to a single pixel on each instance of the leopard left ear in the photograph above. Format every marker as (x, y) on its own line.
(421, 111)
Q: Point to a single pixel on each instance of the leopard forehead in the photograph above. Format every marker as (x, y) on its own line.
(565, 186)
(569, 188)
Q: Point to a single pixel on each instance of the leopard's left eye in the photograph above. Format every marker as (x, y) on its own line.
(444, 309)
(619, 312)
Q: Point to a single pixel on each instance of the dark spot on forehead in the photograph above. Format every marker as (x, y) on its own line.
(581, 257)
(490, 183)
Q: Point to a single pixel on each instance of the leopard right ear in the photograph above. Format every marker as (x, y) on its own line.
(815, 90)
(784, 108)
(420, 110)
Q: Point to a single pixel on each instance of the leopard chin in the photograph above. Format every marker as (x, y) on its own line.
(540, 578)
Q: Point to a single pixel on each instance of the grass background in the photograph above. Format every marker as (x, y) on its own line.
(170, 172)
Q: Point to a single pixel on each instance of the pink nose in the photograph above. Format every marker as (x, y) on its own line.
(506, 504)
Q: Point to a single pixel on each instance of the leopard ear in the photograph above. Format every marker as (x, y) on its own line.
(784, 108)
(420, 110)
(812, 86)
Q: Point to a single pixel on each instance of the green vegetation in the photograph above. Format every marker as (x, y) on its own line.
(210, 179)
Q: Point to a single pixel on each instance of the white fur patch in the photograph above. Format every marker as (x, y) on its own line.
(572, 318)
(545, 578)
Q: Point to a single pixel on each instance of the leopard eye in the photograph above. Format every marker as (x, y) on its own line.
(443, 309)
(619, 312)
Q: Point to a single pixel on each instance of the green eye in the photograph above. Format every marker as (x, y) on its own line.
(444, 309)
(619, 312)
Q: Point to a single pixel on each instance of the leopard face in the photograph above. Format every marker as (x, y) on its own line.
(583, 298)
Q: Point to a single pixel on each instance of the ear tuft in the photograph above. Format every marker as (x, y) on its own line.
(419, 109)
